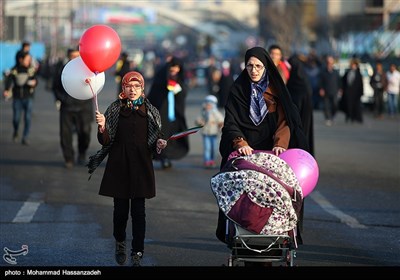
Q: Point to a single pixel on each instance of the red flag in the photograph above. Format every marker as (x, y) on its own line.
(184, 133)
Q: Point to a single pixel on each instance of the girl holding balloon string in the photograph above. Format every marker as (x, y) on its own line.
(129, 131)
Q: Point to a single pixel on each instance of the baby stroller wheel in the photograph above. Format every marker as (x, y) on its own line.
(291, 254)
(230, 261)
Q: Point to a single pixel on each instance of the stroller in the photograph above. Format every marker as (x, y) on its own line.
(261, 198)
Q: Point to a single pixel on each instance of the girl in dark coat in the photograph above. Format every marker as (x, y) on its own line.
(168, 95)
(259, 115)
(129, 132)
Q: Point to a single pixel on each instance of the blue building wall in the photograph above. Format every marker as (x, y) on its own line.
(9, 50)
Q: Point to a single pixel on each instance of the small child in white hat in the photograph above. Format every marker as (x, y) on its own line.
(212, 121)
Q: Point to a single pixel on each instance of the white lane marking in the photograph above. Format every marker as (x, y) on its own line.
(328, 207)
(28, 209)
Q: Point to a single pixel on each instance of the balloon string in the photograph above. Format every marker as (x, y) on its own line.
(94, 95)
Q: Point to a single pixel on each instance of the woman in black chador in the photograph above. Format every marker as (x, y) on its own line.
(259, 115)
(168, 95)
(352, 91)
(301, 92)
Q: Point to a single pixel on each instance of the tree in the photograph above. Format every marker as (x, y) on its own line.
(281, 24)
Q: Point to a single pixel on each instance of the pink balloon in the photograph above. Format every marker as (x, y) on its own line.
(304, 167)
(99, 47)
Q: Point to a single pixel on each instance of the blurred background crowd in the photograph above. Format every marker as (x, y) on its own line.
(210, 36)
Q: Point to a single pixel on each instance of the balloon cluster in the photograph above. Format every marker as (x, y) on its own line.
(83, 77)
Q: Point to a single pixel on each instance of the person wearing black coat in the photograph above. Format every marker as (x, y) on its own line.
(379, 84)
(20, 84)
(259, 115)
(76, 116)
(129, 132)
(168, 94)
(301, 92)
(224, 84)
(122, 67)
(353, 89)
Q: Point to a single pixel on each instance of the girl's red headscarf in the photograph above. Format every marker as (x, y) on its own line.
(129, 77)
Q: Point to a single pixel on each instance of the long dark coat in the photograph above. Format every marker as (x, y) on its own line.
(352, 97)
(129, 170)
(225, 84)
(300, 89)
(158, 96)
(238, 123)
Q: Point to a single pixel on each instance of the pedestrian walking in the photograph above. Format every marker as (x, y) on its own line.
(224, 84)
(122, 67)
(393, 90)
(168, 94)
(25, 48)
(22, 79)
(129, 132)
(259, 115)
(352, 89)
(300, 90)
(329, 90)
(212, 121)
(379, 83)
(76, 116)
(281, 64)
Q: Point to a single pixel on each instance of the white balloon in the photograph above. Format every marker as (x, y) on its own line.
(79, 81)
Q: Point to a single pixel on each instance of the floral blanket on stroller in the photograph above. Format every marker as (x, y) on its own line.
(259, 192)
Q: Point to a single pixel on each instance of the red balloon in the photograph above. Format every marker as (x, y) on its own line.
(100, 47)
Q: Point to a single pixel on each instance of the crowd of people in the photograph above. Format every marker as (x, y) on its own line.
(268, 105)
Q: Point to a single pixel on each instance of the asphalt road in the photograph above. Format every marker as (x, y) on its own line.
(351, 218)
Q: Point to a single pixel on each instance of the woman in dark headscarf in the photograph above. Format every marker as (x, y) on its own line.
(301, 92)
(168, 95)
(353, 89)
(259, 114)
